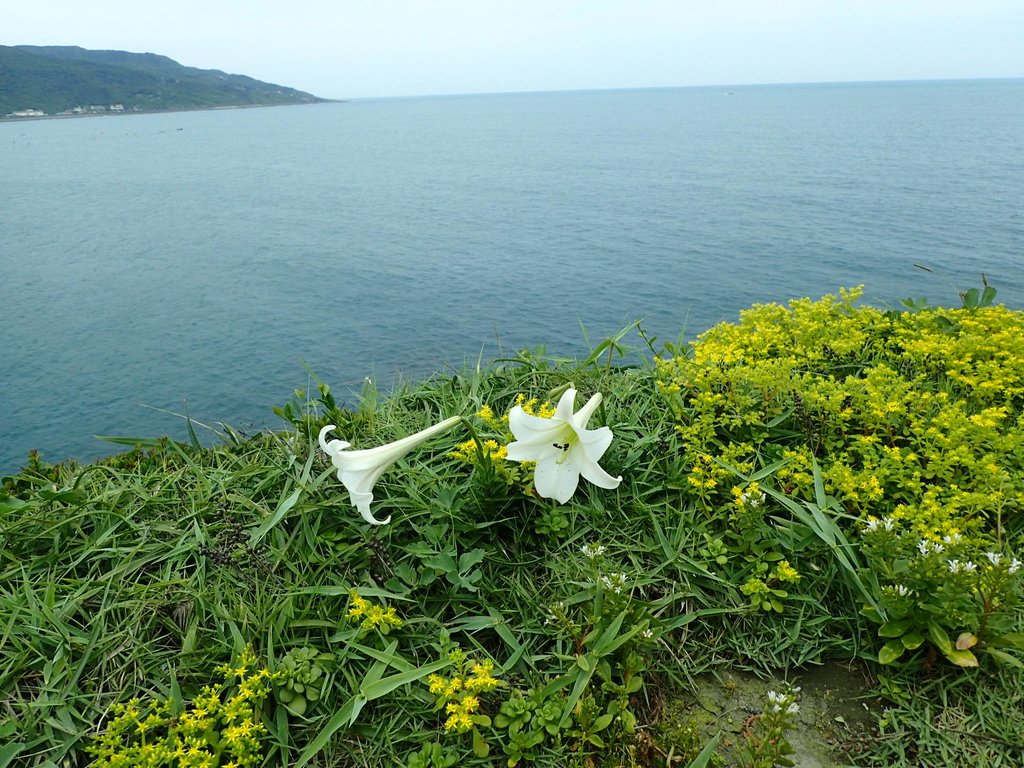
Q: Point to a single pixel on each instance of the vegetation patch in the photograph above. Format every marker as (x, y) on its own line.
(595, 582)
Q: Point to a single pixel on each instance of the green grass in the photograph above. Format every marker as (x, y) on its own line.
(137, 576)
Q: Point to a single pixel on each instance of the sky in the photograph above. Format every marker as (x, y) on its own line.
(381, 48)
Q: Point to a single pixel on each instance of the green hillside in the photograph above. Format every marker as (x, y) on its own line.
(59, 79)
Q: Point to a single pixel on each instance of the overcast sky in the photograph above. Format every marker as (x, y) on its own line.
(350, 49)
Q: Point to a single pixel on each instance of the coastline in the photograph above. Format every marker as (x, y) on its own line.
(29, 118)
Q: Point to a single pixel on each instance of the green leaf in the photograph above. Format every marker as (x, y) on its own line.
(605, 643)
(383, 687)
(871, 614)
(480, 747)
(703, 760)
(582, 681)
(628, 720)
(10, 751)
(282, 509)
(894, 628)
(10, 503)
(1005, 658)
(912, 640)
(344, 716)
(469, 559)
(297, 705)
(1009, 639)
(890, 652)
(962, 658)
(940, 638)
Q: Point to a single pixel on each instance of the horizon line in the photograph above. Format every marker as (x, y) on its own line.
(601, 89)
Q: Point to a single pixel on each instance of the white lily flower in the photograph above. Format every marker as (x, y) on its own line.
(359, 470)
(562, 446)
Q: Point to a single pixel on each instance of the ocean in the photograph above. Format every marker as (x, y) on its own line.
(215, 261)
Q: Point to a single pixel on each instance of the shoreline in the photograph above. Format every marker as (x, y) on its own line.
(125, 113)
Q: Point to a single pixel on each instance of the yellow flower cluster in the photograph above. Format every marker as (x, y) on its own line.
(535, 407)
(469, 452)
(370, 615)
(458, 694)
(493, 450)
(915, 415)
(785, 572)
(486, 415)
(460, 714)
(212, 732)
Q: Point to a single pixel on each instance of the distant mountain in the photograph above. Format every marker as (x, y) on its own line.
(72, 80)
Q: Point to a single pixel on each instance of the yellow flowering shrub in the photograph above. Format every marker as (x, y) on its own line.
(915, 415)
(222, 727)
(459, 695)
(370, 615)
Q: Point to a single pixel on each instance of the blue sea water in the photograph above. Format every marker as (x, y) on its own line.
(210, 260)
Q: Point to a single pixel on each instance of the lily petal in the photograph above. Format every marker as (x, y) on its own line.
(595, 474)
(556, 480)
(583, 415)
(595, 442)
(532, 429)
(359, 470)
(566, 405)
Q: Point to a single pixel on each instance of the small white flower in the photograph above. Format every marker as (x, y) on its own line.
(556, 612)
(955, 566)
(1014, 566)
(994, 557)
(898, 590)
(592, 551)
(953, 538)
(888, 523)
(562, 446)
(359, 470)
(871, 526)
(616, 582)
(793, 708)
(923, 547)
(647, 634)
(775, 697)
(752, 499)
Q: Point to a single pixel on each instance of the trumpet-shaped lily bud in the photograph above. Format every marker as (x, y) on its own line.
(562, 446)
(359, 470)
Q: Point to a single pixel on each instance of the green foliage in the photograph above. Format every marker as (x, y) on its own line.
(747, 469)
(915, 418)
(301, 680)
(222, 726)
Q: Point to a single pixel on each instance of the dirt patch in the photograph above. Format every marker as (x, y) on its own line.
(836, 717)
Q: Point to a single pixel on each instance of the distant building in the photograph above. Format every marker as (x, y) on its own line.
(28, 113)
